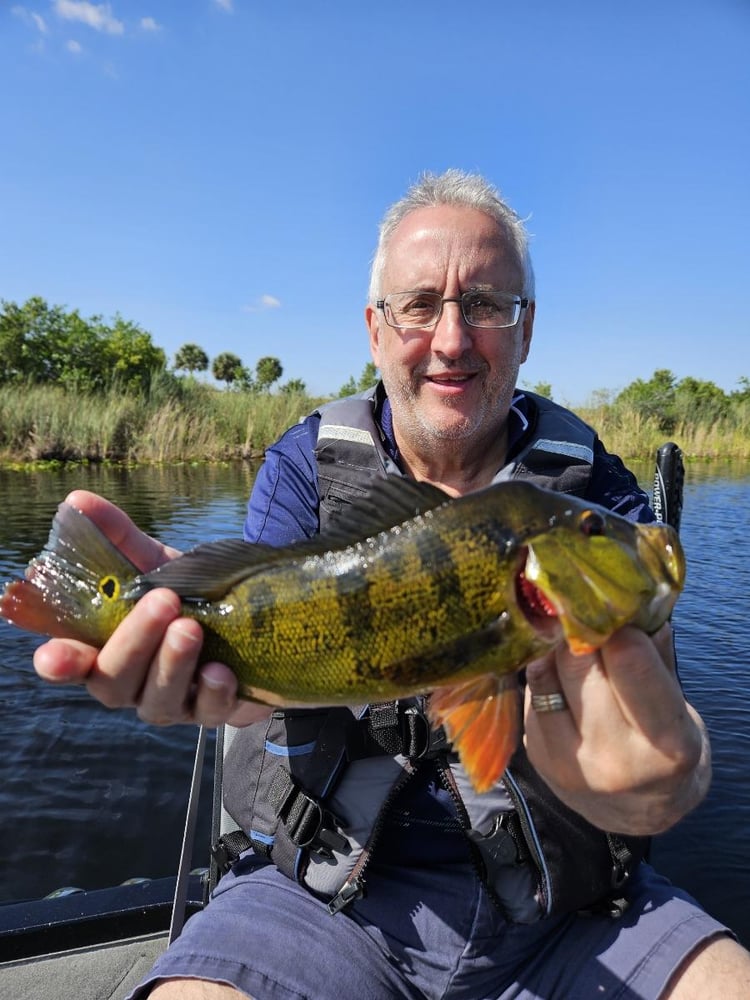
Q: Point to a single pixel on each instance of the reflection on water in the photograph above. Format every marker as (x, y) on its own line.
(91, 797)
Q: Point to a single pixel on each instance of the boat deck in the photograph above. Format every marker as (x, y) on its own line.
(106, 971)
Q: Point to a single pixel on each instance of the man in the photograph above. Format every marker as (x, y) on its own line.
(457, 904)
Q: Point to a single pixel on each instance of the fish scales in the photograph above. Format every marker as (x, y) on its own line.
(395, 600)
(327, 626)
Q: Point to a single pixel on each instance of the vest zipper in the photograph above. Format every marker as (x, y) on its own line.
(354, 887)
(448, 781)
(532, 840)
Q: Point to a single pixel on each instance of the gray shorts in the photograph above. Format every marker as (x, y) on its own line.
(428, 934)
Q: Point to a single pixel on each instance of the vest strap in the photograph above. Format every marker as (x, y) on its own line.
(391, 728)
(306, 822)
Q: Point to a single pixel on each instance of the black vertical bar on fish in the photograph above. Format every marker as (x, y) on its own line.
(669, 481)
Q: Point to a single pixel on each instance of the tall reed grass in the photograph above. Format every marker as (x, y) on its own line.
(629, 434)
(197, 423)
(192, 422)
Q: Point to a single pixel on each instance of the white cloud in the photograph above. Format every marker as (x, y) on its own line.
(149, 24)
(74, 47)
(97, 16)
(30, 18)
(263, 303)
(227, 5)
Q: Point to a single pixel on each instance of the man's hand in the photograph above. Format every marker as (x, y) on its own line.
(151, 661)
(629, 753)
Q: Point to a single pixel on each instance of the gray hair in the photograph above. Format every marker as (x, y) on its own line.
(454, 187)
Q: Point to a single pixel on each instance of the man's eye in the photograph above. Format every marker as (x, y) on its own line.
(419, 306)
(484, 304)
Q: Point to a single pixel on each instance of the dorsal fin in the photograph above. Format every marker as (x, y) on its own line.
(209, 571)
(386, 503)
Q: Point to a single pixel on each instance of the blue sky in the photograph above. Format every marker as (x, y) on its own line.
(215, 170)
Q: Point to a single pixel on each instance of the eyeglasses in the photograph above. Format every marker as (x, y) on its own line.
(422, 310)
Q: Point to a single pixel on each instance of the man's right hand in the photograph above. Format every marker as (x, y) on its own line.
(150, 662)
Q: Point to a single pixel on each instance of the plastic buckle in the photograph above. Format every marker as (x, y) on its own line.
(328, 839)
(619, 876)
(223, 855)
(420, 739)
(497, 848)
(311, 826)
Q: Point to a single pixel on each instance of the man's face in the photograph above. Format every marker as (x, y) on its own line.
(453, 382)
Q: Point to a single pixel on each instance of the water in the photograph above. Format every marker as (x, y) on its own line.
(91, 797)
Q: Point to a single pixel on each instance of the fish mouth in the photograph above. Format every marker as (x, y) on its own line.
(537, 609)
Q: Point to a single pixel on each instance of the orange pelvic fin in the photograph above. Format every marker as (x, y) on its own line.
(481, 718)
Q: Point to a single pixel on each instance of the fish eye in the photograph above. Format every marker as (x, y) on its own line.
(109, 587)
(592, 523)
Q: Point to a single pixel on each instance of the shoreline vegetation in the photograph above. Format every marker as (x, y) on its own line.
(77, 390)
(48, 425)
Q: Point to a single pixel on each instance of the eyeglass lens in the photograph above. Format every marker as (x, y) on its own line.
(423, 309)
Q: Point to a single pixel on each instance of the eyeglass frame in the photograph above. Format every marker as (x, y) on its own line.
(520, 301)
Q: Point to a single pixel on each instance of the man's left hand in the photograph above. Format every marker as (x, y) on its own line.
(629, 753)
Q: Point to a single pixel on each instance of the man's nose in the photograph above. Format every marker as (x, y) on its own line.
(451, 335)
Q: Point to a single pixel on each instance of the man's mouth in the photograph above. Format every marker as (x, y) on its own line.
(450, 378)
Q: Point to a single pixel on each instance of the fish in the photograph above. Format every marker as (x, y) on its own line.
(410, 592)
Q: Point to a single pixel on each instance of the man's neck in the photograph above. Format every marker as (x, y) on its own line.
(452, 468)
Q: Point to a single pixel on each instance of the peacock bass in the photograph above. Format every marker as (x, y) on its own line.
(413, 592)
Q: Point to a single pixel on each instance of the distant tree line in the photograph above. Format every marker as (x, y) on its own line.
(228, 367)
(42, 344)
(671, 402)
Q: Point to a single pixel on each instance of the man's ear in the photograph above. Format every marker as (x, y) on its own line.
(528, 329)
(372, 319)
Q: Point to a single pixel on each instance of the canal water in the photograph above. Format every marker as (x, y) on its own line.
(91, 797)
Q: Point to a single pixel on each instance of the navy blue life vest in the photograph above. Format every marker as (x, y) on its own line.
(311, 788)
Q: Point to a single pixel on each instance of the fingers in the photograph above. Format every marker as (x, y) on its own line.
(248, 712)
(635, 671)
(547, 733)
(628, 752)
(121, 668)
(147, 553)
(150, 663)
(640, 672)
(64, 661)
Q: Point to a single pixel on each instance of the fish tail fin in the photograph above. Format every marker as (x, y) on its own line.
(482, 719)
(72, 589)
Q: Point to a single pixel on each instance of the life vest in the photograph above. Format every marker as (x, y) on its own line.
(312, 787)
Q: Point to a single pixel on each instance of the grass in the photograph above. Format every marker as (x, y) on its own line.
(199, 423)
(630, 435)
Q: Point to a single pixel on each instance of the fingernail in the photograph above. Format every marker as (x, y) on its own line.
(212, 682)
(183, 640)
